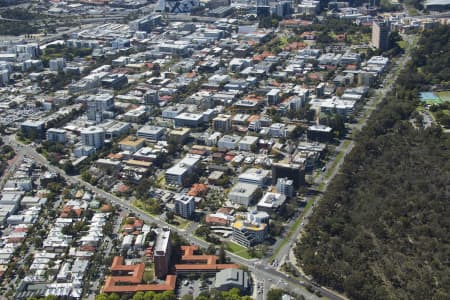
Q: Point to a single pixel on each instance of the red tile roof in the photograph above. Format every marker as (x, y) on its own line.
(195, 262)
(133, 282)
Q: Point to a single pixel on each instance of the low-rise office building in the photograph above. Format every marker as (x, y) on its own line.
(243, 193)
(178, 173)
(252, 230)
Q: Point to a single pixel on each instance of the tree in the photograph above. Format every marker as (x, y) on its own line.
(86, 176)
(275, 294)
(101, 296)
(148, 276)
(211, 250)
(138, 296)
(222, 255)
(142, 188)
(361, 241)
(113, 296)
(170, 215)
(202, 231)
(149, 295)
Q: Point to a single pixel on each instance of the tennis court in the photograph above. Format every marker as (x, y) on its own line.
(429, 98)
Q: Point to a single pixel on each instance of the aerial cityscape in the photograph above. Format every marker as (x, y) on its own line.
(224, 149)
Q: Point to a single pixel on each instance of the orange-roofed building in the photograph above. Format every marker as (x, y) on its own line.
(134, 228)
(128, 279)
(106, 208)
(294, 46)
(253, 97)
(115, 156)
(191, 75)
(68, 211)
(341, 37)
(123, 188)
(293, 23)
(198, 190)
(308, 35)
(253, 118)
(213, 220)
(351, 67)
(192, 262)
(226, 210)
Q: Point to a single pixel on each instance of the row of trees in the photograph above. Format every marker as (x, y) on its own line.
(381, 230)
(168, 295)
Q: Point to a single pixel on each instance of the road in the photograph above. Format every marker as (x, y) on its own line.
(285, 254)
(260, 270)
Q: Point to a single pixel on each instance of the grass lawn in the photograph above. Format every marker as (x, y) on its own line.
(238, 250)
(444, 96)
(161, 181)
(358, 38)
(402, 44)
(148, 274)
(142, 206)
(180, 222)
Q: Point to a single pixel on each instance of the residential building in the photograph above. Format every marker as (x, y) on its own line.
(93, 136)
(278, 130)
(162, 253)
(185, 206)
(114, 81)
(273, 96)
(151, 97)
(285, 186)
(292, 171)
(334, 105)
(222, 123)
(380, 35)
(56, 135)
(320, 133)
(33, 129)
(57, 64)
(99, 106)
